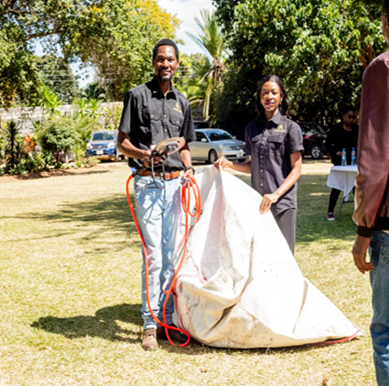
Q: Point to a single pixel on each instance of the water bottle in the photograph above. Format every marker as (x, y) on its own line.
(353, 157)
(344, 157)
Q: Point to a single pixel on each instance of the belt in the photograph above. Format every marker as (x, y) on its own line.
(165, 176)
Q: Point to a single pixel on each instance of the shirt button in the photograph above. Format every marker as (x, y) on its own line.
(261, 156)
(261, 184)
(261, 171)
(263, 142)
(152, 115)
(165, 116)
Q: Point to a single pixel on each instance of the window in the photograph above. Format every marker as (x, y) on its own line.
(219, 135)
(200, 136)
(103, 136)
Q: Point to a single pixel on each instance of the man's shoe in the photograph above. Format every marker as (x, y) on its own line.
(150, 339)
(176, 336)
(330, 216)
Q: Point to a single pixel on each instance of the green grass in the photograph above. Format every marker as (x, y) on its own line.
(70, 293)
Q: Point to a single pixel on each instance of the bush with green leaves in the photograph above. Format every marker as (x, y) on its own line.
(58, 134)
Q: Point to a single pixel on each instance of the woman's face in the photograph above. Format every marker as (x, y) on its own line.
(349, 117)
(271, 96)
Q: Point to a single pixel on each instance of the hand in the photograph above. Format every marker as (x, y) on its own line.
(188, 173)
(339, 153)
(147, 159)
(359, 253)
(222, 163)
(267, 201)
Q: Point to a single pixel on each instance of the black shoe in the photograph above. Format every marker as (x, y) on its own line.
(175, 336)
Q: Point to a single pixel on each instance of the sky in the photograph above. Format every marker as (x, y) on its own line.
(185, 11)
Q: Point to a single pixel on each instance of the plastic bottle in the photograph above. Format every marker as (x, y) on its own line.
(353, 157)
(344, 157)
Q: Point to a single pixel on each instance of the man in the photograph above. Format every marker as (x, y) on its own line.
(372, 199)
(154, 112)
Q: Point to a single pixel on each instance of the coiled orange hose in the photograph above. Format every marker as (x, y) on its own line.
(189, 186)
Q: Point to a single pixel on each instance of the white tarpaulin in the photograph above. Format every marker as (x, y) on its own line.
(240, 285)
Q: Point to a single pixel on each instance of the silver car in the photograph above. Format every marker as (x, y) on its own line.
(212, 144)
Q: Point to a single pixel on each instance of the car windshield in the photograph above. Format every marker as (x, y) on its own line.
(313, 130)
(218, 135)
(103, 136)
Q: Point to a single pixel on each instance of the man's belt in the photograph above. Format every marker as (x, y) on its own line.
(165, 176)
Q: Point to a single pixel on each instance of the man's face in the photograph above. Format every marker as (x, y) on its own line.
(165, 63)
(385, 27)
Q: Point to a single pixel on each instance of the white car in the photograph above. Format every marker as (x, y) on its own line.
(212, 144)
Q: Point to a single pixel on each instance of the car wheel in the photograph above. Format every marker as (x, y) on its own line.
(316, 152)
(212, 157)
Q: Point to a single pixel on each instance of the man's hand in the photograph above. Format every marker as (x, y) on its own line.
(267, 201)
(188, 173)
(147, 159)
(359, 253)
(339, 153)
(222, 163)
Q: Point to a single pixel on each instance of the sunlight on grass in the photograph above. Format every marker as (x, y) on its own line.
(70, 277)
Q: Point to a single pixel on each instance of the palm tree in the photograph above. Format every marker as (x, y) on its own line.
(212, 40)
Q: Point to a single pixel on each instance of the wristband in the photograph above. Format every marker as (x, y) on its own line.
(190, 167)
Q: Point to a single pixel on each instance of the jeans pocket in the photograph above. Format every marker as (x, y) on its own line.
(374, 248)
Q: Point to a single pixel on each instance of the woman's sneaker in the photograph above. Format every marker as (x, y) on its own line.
(330, 216)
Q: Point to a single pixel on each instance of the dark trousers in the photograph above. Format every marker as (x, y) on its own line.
(334, 198)
(287, 223)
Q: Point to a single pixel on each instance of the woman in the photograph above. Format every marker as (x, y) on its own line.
(274, 144)
(343, 135)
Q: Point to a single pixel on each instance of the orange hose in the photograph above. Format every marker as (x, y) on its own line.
(189, 187)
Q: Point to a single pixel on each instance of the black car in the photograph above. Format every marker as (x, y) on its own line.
(314, 138)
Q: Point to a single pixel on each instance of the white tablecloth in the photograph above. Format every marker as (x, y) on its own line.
(343, 178)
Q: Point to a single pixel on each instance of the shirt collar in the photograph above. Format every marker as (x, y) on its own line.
(277, 118)
(156, 89)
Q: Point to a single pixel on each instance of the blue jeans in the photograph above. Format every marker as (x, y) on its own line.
(159, 217)
(379, 329)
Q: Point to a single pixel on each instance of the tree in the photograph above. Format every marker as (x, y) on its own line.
(320, 49)
(212, 41)
(56, 74)
(116, 36)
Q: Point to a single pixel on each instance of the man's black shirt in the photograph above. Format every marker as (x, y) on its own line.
(149, 117)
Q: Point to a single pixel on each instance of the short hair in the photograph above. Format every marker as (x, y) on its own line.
(284, 105)
(165, 42)
(348, 108)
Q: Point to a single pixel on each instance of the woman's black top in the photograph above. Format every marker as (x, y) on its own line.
(338, 139)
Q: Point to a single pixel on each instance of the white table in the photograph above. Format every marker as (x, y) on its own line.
(343, 178)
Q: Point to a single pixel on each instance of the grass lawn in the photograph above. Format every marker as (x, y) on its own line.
(70, 293)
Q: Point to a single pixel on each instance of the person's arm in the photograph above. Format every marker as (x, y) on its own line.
(293, 176)
(126, 128)
(189, 134)
(373, 158)
(224, 163)
(330, 141)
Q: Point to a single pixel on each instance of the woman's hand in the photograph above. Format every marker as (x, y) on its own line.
(267, 201)
(222, 163)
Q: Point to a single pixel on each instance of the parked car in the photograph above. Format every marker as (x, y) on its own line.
(103, 145)
(314, 138)
(211, 144)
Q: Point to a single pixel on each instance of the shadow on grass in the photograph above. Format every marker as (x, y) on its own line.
(89, 221)
(106, 325)
(103, 325)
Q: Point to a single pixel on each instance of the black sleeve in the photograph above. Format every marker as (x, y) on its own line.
(330, 141)
(187, 130)
(247, 142)
(295, 139)
(127, 120)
